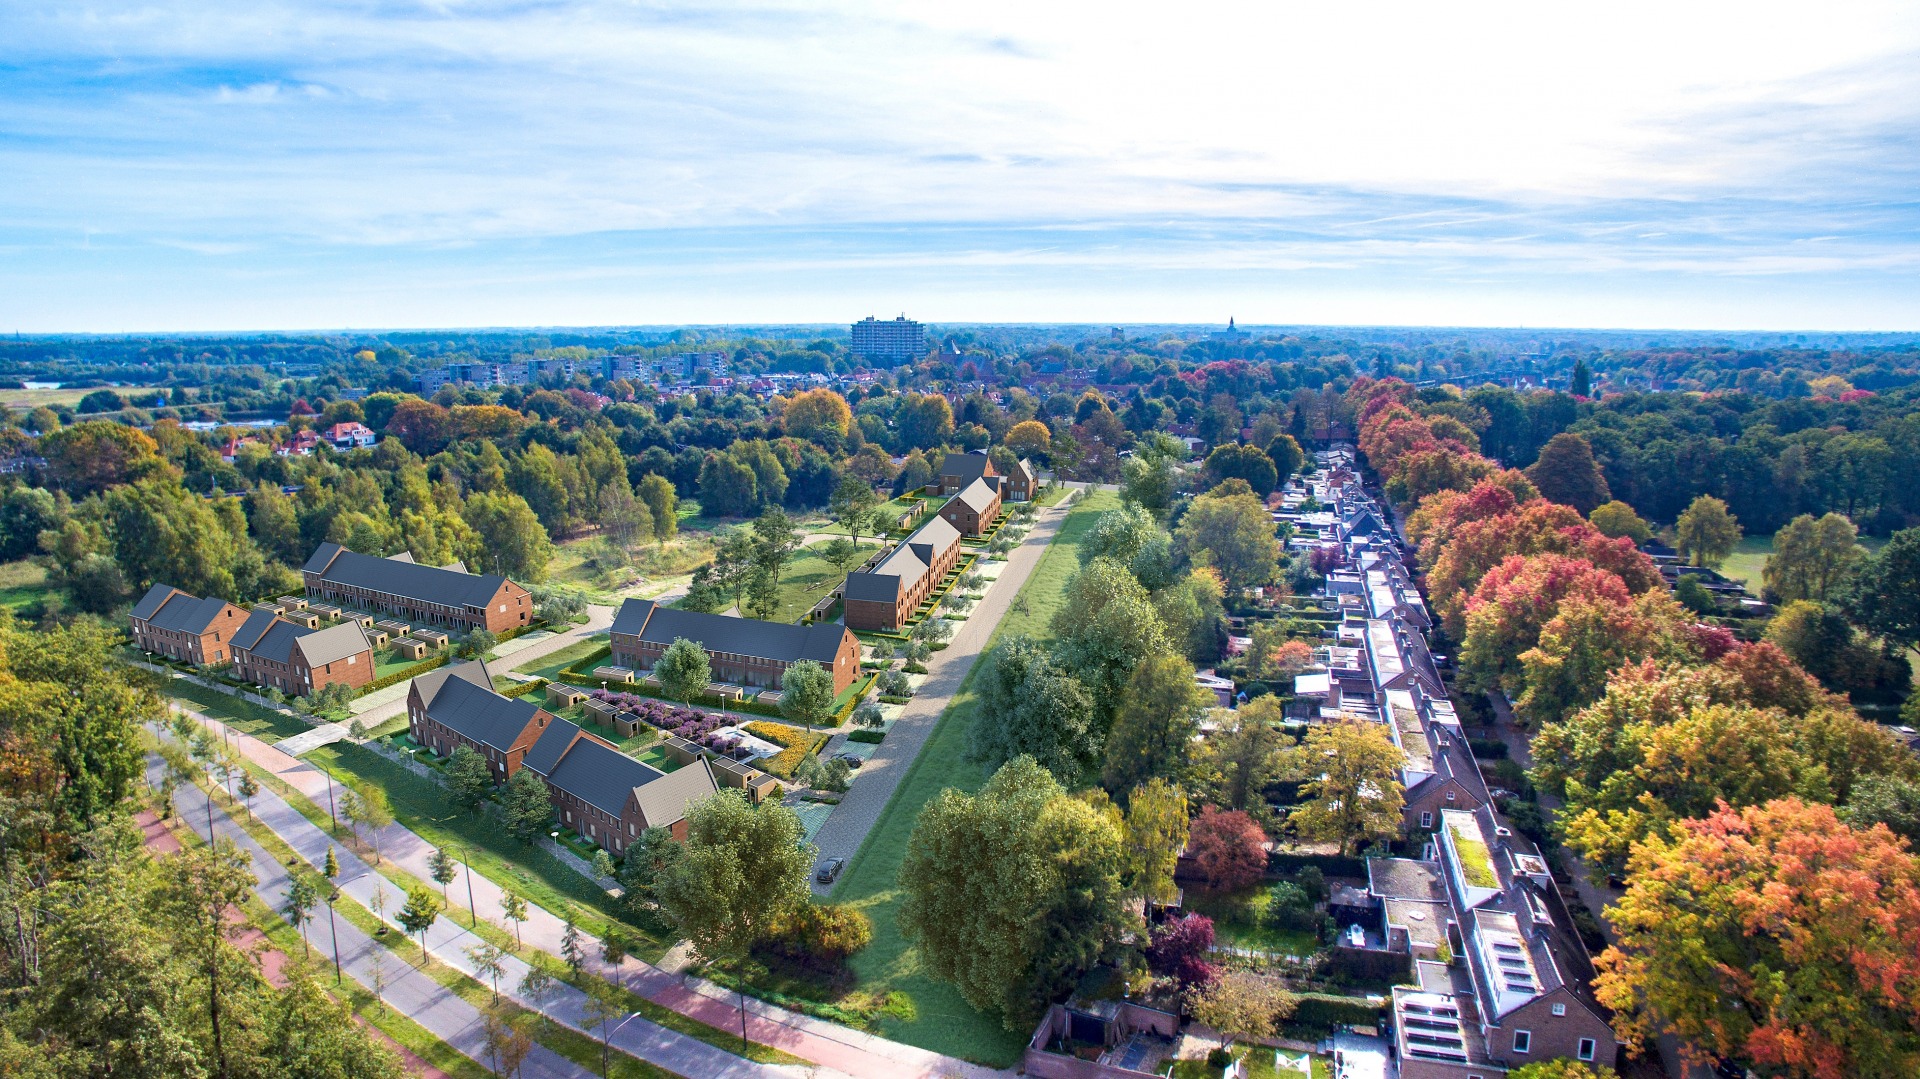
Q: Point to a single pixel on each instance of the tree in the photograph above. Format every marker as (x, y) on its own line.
(1884, 593)
(1801, 943)
(1231, 531)
(506, 1040)
(1566, 472)
(444, 867)
(840, 553)
(823, 934)
(528, 807)
(1151, 475)
(1028, 438)
(25, 512)
(1892, 800)
(1558, 1068)
(1156, 720)
(1246, 751)
(1590, 638)
(1511, 605)
(600, 1010)
(98, 455)
(647, 857)
(853, 506)
(1706, 533)
(1615, 519)
(1031, 707)
(657, 492)
(418, 915)
(1826, 645)
(1250, 463)
(1178, 948)
(469, 778)
(1352, 792)
(1229, 849)
(572, 953)
(741, 868)
(1105, 628)
(683, 670)
(1812, 559)
(512, 541)
(820, 415)
(1192, 609)
(614, 948)
(1287, 456)
(1243, 1003)
(366, 806)
(298, 908)
(1118, 535)
(488, 963)
(807, 694)
(1013, 893)
(1156, 829)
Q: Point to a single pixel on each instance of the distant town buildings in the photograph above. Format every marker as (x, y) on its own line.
(896, 339)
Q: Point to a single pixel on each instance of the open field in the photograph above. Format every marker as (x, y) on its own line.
(66, 395)
(807, 577)
(944, 1022)
(22, 583)
(1749, 560)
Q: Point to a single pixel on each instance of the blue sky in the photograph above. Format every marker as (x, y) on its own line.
(273, 164)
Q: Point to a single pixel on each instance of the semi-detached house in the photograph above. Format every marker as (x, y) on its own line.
(450, 597)
(190, 629)
(456, 706)
(270, 651)
(973, 510)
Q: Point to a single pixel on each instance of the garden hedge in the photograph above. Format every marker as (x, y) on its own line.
(1320, 1014)
(866, 736)
(405, 673)
(1333, 865)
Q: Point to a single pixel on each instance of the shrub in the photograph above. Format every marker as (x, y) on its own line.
(1289, 908)
(894, 684)
(871, 737)
(821, 933)
(1178, 949)
(1313, 882)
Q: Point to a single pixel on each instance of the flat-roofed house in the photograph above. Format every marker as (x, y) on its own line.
(884, 597)
(609, 797)
(456, 706)
(422, 593)
(959, 470)
(972, 510)
(744, 651)
(270, 651)
(188, 628)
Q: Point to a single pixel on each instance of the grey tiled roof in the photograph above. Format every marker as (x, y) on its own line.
(324, 646)
(905, 564)
(149, 604)
(474, 671)
(553, 742)
(967, 466)
(257, 624)
(479, 714)
(277, 643)
(665, 800)
(185, 613)
(977, 496)
(428, 583)
(775, 641)
(601, 777)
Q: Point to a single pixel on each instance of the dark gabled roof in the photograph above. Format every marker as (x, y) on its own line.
(255, 627)
(156, 596)
(967, 466)
(551, 746)
(479, 714)
(474, 670)
(324, 646)
(977, 496)
(905, 564)
(601, 777)
(775, 641)
(403, 578)
(276, 643)
(186, 614)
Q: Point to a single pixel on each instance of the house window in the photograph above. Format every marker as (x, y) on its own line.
(1449, 796)
(1559, 1009)
(1426, 820)
(1523, 1041)
(1587, 1047)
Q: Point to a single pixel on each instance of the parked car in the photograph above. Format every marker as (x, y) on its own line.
(829, 870)
(851, 760)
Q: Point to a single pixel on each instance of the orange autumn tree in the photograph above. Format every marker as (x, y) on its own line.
(1511, 604)
(1588, 639)
(1775, 935)
(1537, 527)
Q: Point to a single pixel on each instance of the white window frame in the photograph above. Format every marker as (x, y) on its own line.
(1426, 820)
(1588, 1047)
(1559, 1010)
(1523, 1041)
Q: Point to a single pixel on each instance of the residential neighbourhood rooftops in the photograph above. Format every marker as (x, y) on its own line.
(965, 467)
(978, 496)
(601, 776)
(477, 713)
(551, 745)
(447, 587)
(656, 624)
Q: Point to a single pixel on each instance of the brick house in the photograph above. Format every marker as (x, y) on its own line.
(456, 706)
(959, 470)
(972, 510)
(609, 797)
(190, 629)
(423, 593)
(745, 651)
(270, 651)
(1019, 484)
(884, 597)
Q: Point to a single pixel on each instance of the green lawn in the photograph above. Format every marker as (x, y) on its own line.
(1749, 559)
(21, 583)
(263, 723)
(807, 577)
(1239, 919)
(946, 1023)
(553, 663)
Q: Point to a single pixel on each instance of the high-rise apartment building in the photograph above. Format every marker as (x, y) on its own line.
(894, 339)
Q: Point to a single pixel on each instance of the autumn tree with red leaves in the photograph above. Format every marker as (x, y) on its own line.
(1229, 849)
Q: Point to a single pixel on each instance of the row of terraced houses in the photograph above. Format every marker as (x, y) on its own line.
(1499, 977)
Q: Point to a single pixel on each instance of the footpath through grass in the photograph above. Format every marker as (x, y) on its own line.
(943, 1021)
